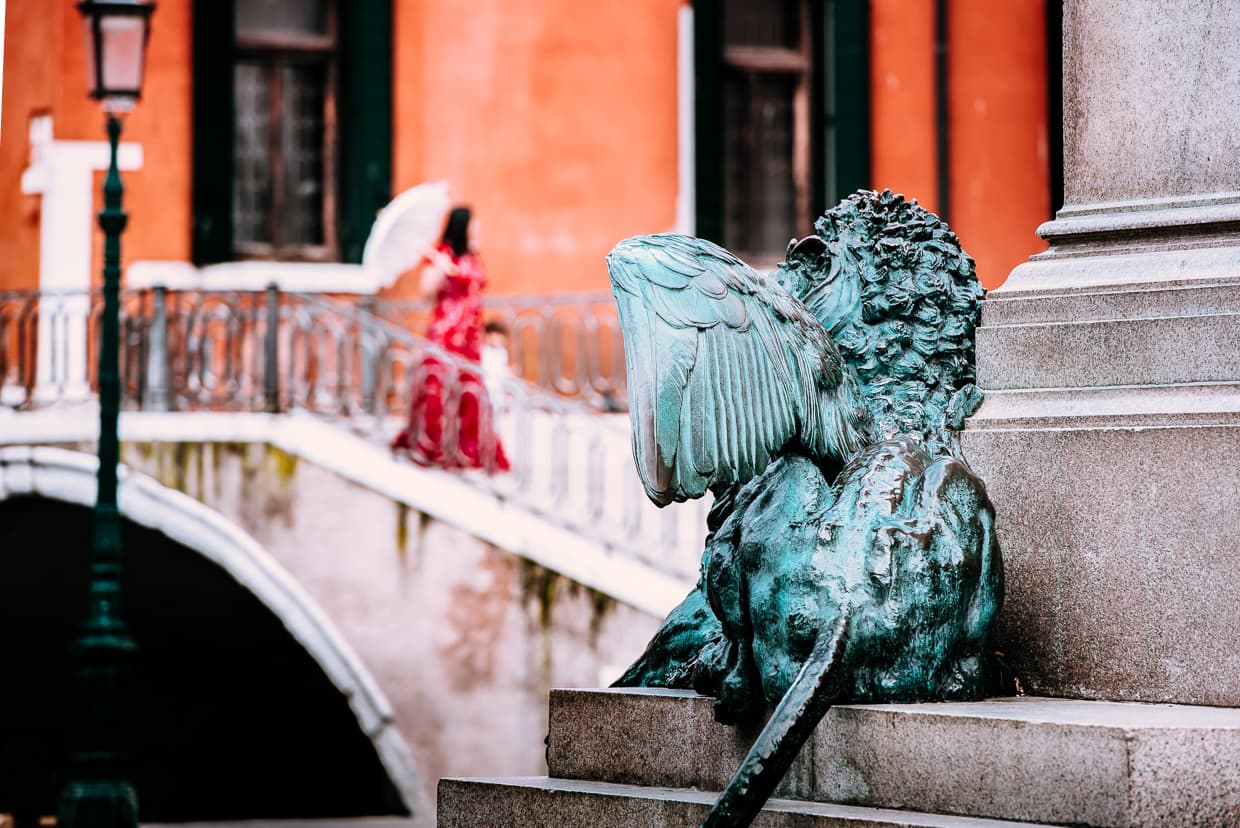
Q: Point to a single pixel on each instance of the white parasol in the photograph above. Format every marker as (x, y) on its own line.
(405, 230)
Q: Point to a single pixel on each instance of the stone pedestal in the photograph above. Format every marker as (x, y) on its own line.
(636, 758)
(1110, 434)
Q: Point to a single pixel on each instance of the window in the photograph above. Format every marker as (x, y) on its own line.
(782, 95)
(292, 127)
(284, 94)
(766, 125)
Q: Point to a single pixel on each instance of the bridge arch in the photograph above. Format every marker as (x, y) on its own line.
(55, 474)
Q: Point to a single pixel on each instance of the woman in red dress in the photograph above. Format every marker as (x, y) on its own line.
(450, 421)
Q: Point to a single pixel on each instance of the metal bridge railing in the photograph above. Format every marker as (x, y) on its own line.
(276, 351)
(569, 343)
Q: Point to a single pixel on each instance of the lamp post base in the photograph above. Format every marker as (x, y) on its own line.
(101, 803)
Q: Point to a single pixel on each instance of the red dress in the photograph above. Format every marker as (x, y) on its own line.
(466, 439)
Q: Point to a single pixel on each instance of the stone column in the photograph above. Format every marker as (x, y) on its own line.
(1110, 434)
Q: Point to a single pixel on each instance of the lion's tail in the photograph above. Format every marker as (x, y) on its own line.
(809, 698)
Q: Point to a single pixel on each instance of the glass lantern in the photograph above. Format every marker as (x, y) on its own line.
(116, 37)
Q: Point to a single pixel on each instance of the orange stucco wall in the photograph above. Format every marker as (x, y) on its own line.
(559, 126)
(902, 102)
(159, 195)
(31, 68)
(997, 115)
(556, 122)
(45, 73)
(997, 157)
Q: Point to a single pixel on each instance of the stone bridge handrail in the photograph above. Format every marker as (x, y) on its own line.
(275, 351)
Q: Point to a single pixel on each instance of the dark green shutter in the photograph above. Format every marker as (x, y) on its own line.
(819, 110)
(213, 135)
(844, 152)
(365, 119)
(708, 117)
(841, 134)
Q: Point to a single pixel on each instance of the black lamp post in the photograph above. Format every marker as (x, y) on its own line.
(98, 793)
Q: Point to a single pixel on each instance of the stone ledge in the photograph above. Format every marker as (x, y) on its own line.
(539, 802)
(1133, 406)
(1140, 301)
(325, 822)
(1121, 271)
(1151, 351)
(1166, 222)
(1142, 209)
(1034, 759)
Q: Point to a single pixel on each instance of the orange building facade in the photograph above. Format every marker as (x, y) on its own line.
(567, 128)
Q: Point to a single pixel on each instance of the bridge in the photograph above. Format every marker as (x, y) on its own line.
(438, 606)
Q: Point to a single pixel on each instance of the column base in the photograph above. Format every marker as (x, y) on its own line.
(1109, 440)
(1167, 241)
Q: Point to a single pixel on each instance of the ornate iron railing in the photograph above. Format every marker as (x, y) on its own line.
(277, 352)
(46, 343)
(569, 343)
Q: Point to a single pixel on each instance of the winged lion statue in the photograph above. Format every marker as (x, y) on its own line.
(851, 554)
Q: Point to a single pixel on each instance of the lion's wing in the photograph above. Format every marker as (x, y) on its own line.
(725, 368)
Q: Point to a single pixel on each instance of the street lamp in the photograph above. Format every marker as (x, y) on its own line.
(98, 793)
(116, 36)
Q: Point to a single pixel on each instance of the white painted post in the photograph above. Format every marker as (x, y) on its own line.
(686, 198)
(63, 173)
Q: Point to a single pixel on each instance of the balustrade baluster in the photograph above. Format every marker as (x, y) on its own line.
(365, 352)
(156, 396)
(271, 353)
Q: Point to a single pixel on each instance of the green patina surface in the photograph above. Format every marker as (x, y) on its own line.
(402, 529)
(540, 586)
(283, 464)
(851, 550)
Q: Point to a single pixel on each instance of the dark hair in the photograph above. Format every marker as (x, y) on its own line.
(456, 233)
(496, 327)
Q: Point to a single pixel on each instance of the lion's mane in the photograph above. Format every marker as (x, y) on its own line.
(910, 335)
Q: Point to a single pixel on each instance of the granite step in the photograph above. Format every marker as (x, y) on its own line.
(1028, 759)
(543, 802)
(1163, 350)
(1161, 333)
(1126, 301)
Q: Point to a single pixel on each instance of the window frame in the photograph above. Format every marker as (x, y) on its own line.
(836, 101)
(754, 62)
(274, 50)
(364, 127)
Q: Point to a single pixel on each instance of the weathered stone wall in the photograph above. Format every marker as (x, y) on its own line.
(464, 639)
(1119, 550)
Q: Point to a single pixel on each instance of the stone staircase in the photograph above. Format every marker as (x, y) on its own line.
(644, 758)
